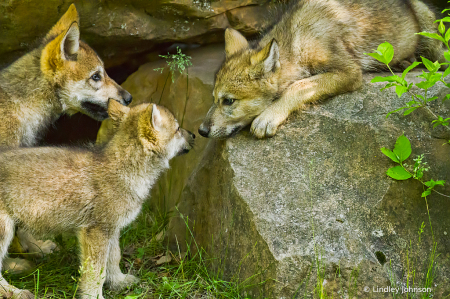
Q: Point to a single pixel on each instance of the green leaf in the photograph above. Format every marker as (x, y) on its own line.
(447, 36)
(390, 154)
(446, 72)
(387, 51)
(446, 19)
(402, 148)
(388, 79)
(429, 65)
(426, 193)
(413, 65)
(400, 90)
(431, 99)
(398, 173)
(441, 27)
(447, 54)
(384, 53)
(447, 9)
(441, 182)
(432, 35)
(447, 97)
(410, 110)
(396, 110)
(377, 56)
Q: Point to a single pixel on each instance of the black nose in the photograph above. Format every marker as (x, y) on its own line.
(203, 130)
(127, 98)
(193, 135)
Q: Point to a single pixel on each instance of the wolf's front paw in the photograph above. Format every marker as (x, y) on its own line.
(122, 282)
(15, 293)
(267, 123)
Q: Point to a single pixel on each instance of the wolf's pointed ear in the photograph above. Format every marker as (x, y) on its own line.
(234, 42)
(70, 17)
(269, 56)
(156, 118)
(117, 111)
(71, 42)
(61, 49)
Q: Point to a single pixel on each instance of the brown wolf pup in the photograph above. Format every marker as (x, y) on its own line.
(315, 51)
(92, 192)
(63, 75)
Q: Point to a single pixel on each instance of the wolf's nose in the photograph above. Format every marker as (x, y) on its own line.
(127, 98)
(203, 130)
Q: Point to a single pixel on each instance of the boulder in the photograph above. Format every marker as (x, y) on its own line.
(118, 30)
(316, 199)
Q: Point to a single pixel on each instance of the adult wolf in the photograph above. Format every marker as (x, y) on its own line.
(62, 75)
(93, 192)
(313, 52)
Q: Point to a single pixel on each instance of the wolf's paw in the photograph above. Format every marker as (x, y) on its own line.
(17, 266)
(122, 282)
(41, 248)
(267, 123)
(11, 292)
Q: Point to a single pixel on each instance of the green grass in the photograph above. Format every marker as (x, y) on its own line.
(188, 275)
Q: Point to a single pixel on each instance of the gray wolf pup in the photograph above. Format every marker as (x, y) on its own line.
(315, 51)
(92, 192)
(63, 75)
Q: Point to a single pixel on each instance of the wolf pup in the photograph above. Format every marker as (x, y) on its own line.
(93, 192)
(63, 75)
(315, 51)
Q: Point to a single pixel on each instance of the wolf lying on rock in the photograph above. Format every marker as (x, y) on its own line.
(92, 192)
(315, 51)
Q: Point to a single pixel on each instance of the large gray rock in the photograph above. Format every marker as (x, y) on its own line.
(318, 191)
(118, 30)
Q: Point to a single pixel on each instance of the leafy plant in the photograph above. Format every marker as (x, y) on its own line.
(401, 152)
(176, 62)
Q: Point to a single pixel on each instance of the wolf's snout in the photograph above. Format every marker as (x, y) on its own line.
(203, 130)
(126, 96)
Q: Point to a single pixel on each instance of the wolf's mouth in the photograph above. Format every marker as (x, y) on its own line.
(94, 110)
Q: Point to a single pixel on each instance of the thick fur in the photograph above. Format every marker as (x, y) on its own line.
(315, 51)
(92, 192)
(53, 79)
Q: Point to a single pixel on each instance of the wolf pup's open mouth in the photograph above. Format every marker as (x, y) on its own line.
(95, 111)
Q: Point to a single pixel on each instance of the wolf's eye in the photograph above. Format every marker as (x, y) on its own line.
(96, 77)
(228, 101)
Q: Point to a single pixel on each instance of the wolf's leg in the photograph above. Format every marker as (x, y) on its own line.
(115, 279)
(34, 248)
(94, 243)
(305, 91)
(6, 236)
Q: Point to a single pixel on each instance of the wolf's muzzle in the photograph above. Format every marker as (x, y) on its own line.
(203, 130)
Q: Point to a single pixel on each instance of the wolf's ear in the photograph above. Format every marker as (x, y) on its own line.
(71, 42)
(156, 118)
(117, 111)
(70, 17)
(269, 56)
(61, 49)
(234, 42)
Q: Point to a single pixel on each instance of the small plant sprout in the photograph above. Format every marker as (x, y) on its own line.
(401, 152)
(176, 62)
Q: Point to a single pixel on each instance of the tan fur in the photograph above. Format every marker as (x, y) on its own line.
(92, 192)
(49, 81)
(53, 79)
(315, 51)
